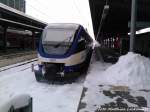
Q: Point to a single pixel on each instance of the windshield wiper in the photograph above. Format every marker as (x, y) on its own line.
(57, 45)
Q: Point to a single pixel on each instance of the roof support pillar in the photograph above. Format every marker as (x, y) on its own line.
(5, 38)
(33, 40)
(133, 25)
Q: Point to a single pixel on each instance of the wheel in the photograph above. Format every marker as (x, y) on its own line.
(11, 109)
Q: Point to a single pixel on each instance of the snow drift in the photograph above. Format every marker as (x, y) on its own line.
(131, 70)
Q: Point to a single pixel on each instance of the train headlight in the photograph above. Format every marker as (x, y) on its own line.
(62, 74)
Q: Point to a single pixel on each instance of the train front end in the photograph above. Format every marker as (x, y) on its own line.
(56, 52)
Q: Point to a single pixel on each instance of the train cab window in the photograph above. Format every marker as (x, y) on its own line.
(57, 41)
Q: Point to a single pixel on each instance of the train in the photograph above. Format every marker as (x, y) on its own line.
(64, 51)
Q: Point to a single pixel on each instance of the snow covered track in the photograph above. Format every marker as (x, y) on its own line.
(18, 65)
(46, 98)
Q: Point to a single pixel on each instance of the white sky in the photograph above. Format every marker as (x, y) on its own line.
(61, 11)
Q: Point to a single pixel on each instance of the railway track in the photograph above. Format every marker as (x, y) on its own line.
(10, 59)
(19, 64)
(7, 56)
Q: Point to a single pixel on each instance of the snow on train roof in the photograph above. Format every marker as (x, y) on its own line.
(5, 7)
(63, 25)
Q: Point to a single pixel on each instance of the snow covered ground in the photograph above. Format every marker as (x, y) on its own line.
(125, 84)
(46, 98)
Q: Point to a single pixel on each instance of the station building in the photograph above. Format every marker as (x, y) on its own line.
(16, 4)
(17, 29)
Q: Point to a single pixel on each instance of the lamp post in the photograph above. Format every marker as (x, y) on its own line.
(133, 24)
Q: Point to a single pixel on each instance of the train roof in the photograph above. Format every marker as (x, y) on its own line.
(63, 25)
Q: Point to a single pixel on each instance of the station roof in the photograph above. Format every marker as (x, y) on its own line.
(12, 17)
(118, 18)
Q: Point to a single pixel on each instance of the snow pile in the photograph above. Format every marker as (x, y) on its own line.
(17, 102)
(131, 70)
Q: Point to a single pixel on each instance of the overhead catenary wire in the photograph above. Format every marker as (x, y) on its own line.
(45, 6)
(41, 3)
(48, 17)
(75, 5)
(39, 11)
(80, 13)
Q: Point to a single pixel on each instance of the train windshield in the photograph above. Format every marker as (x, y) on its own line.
(57, 41)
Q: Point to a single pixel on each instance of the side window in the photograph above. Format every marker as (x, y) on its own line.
(81, 43)
(87, 39)
(82, 37)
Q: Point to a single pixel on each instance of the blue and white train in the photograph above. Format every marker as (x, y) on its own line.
(64, 51)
